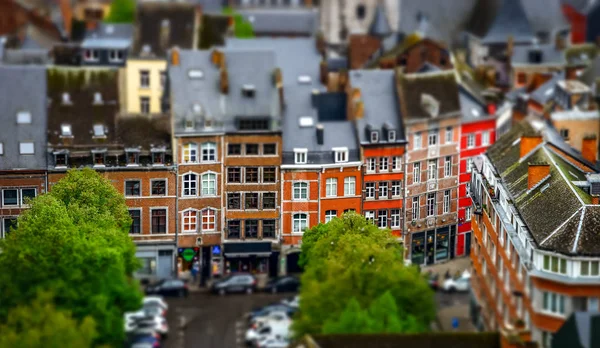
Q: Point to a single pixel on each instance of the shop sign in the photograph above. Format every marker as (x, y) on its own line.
(188, 254)
(216, 250)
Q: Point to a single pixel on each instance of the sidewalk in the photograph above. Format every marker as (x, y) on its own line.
(458, 264)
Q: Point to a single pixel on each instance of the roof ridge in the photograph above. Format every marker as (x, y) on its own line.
(560, 226)
(579, 229)
(568, 182)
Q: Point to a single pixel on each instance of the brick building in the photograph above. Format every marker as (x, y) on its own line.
(22, 140)
(536, 249)
(380, 131)
(430, 108)
(85, 129)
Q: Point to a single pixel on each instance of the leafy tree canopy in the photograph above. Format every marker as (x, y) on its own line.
(242, 28)
(40, 324)
(350, 258)
(69, 244)
(121, 11)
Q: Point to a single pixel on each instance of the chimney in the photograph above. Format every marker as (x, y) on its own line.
(536, 173)
(320, 134)
(528, 143)
(175, 56)
(589, 148)
(67, 15)
(359, 110)
(491, 109)
(224, 81)
(308, 3)
(559, 42)
(218, 59)
(343, 80)
(323, 72)
(355, 94)
(320, 42)
(595, 199)
(509, 46)
(278, 81)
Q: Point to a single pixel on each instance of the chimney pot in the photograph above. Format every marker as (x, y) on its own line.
(320, 134)
(536, 173)
(589, 148)
(595, 200)
(359, 110)
(175, 56)
(528, 143)
(224, 81)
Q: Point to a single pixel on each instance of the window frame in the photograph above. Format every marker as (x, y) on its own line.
(144, 78)
(139, 212)
(552, 303)
(252, 175)
(274, 199)
(447, 201)
(303, 187)
(230, 197)
(384, 164)
(144, 105)
(23, 151)
(264, 147)
(432, 169)
(416, 209)
(297, 221)
(340, 155)
(233, 173)
(300, 156)
(192, 183)
(485, 138)
(189, 151)
(208, 175)
(331, 189)
(251, 197)
(416, 172)
(372, 165)
(432, 138)
(127, 189)
(395, 218)
(166, 187)
(470, 141)
(383, 190)
(417, 141)
(265, 225)
(211, 214)
(396, 188)
(266, 171)
(590, 267)
(397, 163)
(430, 204)
(248, 153)
(208, 150)
(237, 223)
(192, 220)
(382, 219)
(447, 166)
(449, 135)
(349, 186)
(16, 197)
(330, 215)
(152, 218)
(232, 146)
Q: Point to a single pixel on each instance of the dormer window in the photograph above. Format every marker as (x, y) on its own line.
(208, 123)
(115, 56)
(189, 125)
(65, 131)
(300, 156)
(158, 157)
(99, 131)
(23, 117)
(66, 99)
(60, 159)
(248, 91)
(98, 98)
(430, 104)
(133, 157)
(99, 158)
(304, 79)
(90, 55)
(391, 136)
(340, 154)
(374, 137)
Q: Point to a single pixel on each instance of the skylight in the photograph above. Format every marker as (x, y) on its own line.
(65, 130)
(23, 117)
(475, 112)
(99, 130)
(195, 74)
(304, 79)
(306, 121)
(550, 91)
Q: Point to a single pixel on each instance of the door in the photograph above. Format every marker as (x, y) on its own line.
(205, 265)
(430, 257)
(165, 264)
(468, 243)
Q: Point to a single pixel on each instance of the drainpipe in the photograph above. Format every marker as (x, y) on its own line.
(283, 252)
(176, 171)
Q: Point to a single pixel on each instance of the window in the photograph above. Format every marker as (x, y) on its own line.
(590, 268)
(382, 218)
(300, 222)
(447, 166)
(190, 184)
(90, 55)
(331, 187)
(417, 141)
(300, 191)
(248, 91)
(99, 159)
(9, 225)
(251, 200)
(374, 136)
(253, 125)
(209, 152)
(370, 190)
(209, 184)
(10, 197)
(115, 56)
(395, 218)
(60, 159)
(136, 221)
(330, 215)
(163, 78)
(391, 136)
(209, 218)
(144, 78)
(341, 155)
(417, 172)
(268, 200)
(446, 206)
(145, 105)
(415, 208)
(383, 164)
(159, 220)
(432, 170)
(251, 149)
(300, 156)
(433, 137)
(397, 163)
(370, 216)
(269, 174)
(132, 188)
(430, 204)
(383, 190)
(469, 164)
(371, 165)
(546, 339)
(234, 174)
(361, 11)
(23, 117)
(27, 194)
(564, 133)
(553, 303)
(349, 186)
(26, 148)
(234, 149)
(159, 187)
(555, 264)
(252, 174)
(190, 221)
(470, 140)
(158, 158)
(190, 153)
(269, 149)
(449, 135)
(233, 229)
(234, 200)
(468, 213)
(485, 138)
(1, 149)
(268, 228)
(396, 188)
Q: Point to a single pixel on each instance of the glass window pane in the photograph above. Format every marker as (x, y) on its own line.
(546, 262)
(585, 268)
(563, 266)
(595, 268)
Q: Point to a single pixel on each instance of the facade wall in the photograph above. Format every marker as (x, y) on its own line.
(291, 206)
(12, 183)
(523, 75)
(423, 52)
(133, 89)
(577, 130)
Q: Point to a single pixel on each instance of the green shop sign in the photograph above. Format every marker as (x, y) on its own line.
(188, 254)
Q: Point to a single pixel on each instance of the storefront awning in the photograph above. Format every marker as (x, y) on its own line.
(247, 249)
(232, 255)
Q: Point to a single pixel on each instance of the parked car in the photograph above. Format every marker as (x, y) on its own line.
(158, 301)
(273, 341)
(433, 281)
(239, 282)
(271, 317)
(171, 287)
(143, 339)
(156, 323)
(264, 311)
(282, 284)
(461, 284)
(150, 311)
(293, 302)
(262, 333)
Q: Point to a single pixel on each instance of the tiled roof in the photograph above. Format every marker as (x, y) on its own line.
(297, 21)
(440, 85)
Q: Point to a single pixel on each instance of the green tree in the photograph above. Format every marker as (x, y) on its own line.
(121, 11)
(350, 258)
(242, 28)
(40, 324)
(70, 244)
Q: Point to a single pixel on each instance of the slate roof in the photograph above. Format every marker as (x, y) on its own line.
(550, 55)
(245, 67)
(471, 109)
(210, 6)
(441, 85)
(24, 89)
(552, 210)
(151, 16)
(380, 25)
(26, 57)
(546, 91)
(297, 21)
(511, 19)
(109, 35)
(381, 109)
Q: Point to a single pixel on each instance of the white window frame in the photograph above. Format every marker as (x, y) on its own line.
(417, 141)
(449, 135)
(384, 164)
(350, 186)
(397, 188)
(432, 169)
(382, 219)
(206, 179)
(113, 56)
(341, 154)
(94, 56)
(470, 141)
(370, 215)
(192, 184)
(299, 222)
(552, 299)
(552, 259)
(397, 163)
(193, 220)
(303, 189)
(189, 150)
(24, 117)
(371, 164)
(374, 136)
(370, 190)
(468, 214)
(469, 165)
(485, 138)
(20, 195)
(300, 156)
(208, 149)
(589, 273)
(430, 204)
(391, 136)
(10, 205)
(331, 187)
(415, 208)
(330, 215)
(448, 166)
(212, 219)
(395, 218)
(417, 172)
(447, 197)
(432, 138)
(24, 148)
(383, 190)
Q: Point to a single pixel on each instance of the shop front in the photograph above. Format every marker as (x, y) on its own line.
(433, 246)
(247, 257)
(157, 261)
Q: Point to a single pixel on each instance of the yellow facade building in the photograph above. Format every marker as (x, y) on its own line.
(144, 82)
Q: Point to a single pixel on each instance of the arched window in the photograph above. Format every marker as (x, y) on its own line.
(209, 184)
(190, 184)
(190, 221)
(209, 218)
(300, 222)
(190, 153)
(209, 152)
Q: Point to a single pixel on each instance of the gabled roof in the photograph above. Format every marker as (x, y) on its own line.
(471, 109)
(440, 85)
(380, 26)
(545, 92)
(298, 21)
(153, 19)
(511, 19)
(381, 109)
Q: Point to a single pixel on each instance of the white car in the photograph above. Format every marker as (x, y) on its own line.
(293, 302)
(277, 316)
(263, 330)
(154, 301)
(156, 323)
(272, 341)
(461, 284)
